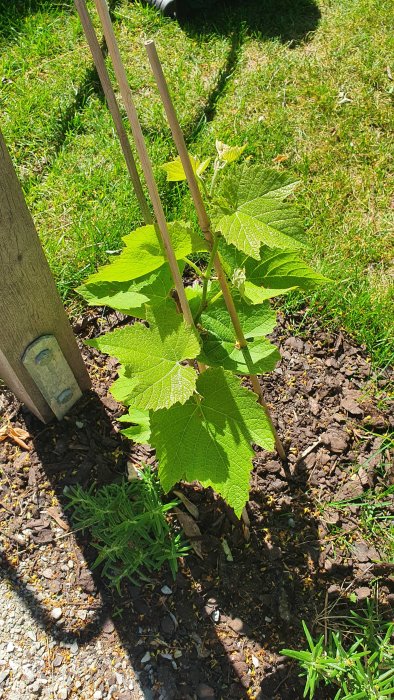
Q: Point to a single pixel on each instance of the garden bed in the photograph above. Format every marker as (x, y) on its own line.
(217, 630)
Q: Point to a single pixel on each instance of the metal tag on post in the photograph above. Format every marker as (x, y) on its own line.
(49, 369)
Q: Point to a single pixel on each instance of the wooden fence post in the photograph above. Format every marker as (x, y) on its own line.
(30, 307)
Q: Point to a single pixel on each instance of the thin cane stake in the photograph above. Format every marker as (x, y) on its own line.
(113, 106)
(132, 115)
(205, 226)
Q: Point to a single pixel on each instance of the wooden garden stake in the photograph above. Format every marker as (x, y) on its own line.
(113, 106)
(132, 115)
(36, 339)
(205, 226)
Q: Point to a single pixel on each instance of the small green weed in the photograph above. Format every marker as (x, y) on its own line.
(129, 526)
(363, 670)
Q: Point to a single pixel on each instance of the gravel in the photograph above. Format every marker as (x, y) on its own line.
(35, 665)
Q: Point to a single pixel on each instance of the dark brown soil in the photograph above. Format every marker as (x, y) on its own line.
(220, 632)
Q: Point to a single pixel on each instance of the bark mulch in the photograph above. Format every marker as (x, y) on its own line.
(217, 630)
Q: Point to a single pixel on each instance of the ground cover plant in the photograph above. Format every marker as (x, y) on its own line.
(203, 425)
(129, 526)
(361, 667)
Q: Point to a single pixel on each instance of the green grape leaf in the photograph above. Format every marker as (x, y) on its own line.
(130, 297)
(277, 272)
(256, 322)
(218, 337)
(122, 389)
(139, 432)
(220, 352)
(209, 438)
(152, 357)
(229, 154)
(250, 211)
(143, 253)
(176, 173)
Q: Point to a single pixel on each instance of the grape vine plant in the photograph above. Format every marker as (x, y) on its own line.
(184, 385)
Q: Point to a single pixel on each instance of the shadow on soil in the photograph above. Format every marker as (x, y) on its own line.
(271, 585)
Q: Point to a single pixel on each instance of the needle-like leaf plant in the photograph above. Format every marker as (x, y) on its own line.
(183, 384)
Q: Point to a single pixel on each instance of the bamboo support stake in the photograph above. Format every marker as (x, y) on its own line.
(205, 226)
(109, 93)
(132, 115)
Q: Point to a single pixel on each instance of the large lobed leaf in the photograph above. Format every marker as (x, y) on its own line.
(220, 348)
(130, 297)
(250, 211)
(209, 438)
(144, 253)
(277, 272)
(153, 375)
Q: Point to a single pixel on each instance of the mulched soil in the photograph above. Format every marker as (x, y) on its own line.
(219, 633)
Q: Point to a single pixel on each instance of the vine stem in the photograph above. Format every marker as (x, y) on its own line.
(132, 115)
(206, 278)
(205, 226)
(108, 90)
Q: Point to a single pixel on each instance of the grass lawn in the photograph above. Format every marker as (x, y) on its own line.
(306, 84)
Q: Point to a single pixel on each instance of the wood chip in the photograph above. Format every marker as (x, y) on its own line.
(191, 530)
(54, 513)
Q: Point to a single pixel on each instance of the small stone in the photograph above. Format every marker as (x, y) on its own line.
(32, 635)
(62, 694)
(74, 648)
(255, 661)
(97, 695)
(79, 424)
(82, 614)
(215, 616)
(108, 626)
(10, 647)
(119, 678)
(237, 625)
(56, 613)
(28, 674)
(70, 564)
(166, 590)
(47, 573)
(146, 658)
(205, 691)
(58, 660)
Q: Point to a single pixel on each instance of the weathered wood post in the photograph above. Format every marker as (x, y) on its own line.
(39, 357)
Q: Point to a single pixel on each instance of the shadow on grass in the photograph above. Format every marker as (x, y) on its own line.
(290, 21)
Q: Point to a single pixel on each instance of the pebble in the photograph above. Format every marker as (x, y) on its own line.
(62, 694)
(47, 573)
(237, 625)
(10, 647)
(56, 613)
(145, 658)
(166, 590)
(205, 691)
(97, 695)
(74, 648)
(28, 674)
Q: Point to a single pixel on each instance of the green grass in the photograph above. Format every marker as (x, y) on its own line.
(306, 81)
